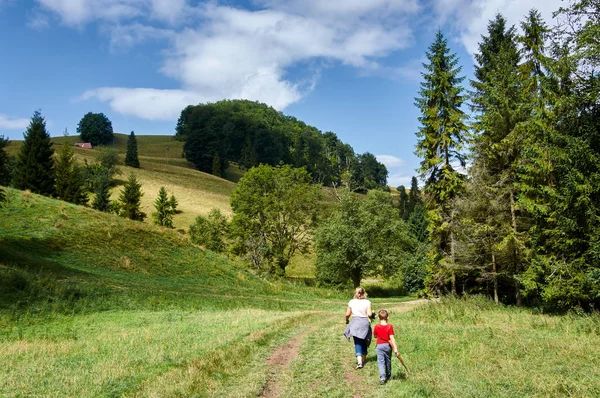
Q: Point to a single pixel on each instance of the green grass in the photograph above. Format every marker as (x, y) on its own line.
(197, 192)
(92, 304)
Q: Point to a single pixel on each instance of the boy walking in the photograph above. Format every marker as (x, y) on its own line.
(384, 333)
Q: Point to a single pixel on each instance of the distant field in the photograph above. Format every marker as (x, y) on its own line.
(197, 192)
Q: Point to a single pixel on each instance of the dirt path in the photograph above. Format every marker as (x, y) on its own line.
(278, 361)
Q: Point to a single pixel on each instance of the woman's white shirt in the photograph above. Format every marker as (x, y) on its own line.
(359, 307)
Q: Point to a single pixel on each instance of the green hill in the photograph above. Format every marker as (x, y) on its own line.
(197, 192)
(60, 254)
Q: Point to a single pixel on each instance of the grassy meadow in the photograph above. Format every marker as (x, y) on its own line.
(95, 305)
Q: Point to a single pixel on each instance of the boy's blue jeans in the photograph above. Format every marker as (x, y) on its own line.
(384, 361)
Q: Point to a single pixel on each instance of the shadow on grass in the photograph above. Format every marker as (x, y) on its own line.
(34, 255)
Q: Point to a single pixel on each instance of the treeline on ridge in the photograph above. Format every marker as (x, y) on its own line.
(251, 133)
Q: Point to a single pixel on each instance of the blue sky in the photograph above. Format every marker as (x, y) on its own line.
(348, 66)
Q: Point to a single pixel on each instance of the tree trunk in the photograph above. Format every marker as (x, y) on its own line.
(356, 277)
(453, 256)
(495, 270)
(513, 216)
(518, 297)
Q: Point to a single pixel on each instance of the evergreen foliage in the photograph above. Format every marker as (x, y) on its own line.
(276, 206)
(414, 196)
(441, 140)
(4, 162)
(130, 200)
(95, 128)
(35, 166)
(403, 205)
(101, 186)
(163, 215)
(70, 183)
(174, 203)
(131, 156)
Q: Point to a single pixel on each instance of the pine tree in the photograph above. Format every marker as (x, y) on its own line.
(70, 184)
(130, 200)
(164, 212)
(499, 102)
(35, 166)
(4, 161)
(441, 139)
(131, 157)
(414, 196)
(403, 203)
(174, 203)
(102, 190)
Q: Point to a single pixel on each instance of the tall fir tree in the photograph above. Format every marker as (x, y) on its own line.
(35, 166)
(4, 162)
(102, 190)
(403, 203)
(414, 196)
(500, 109)
(163, 215)
(131, 157)
(130, 199)
(441, 140)
(70, 184)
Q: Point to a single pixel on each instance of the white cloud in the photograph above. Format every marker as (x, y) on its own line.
(390, 161)
(12, 124)
(397, 179)
(397, 170)
(470, 17)
(227, 52)
(146, 103)
(80, 12)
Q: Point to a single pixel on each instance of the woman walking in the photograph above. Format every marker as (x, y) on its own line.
(360, 326)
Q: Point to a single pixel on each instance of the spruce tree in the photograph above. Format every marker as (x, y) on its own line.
(441, 140)
(131, 157)
(70, 184)
(130, 200)
(499, 101)
(403, 202)
(414, 196)
(35, 166)
(174, 203)
(4, 160)
(102, 190)
(163, 215)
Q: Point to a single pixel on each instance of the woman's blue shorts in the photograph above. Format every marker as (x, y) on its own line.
(360, 346)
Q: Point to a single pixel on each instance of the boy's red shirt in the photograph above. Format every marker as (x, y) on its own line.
(383, 333)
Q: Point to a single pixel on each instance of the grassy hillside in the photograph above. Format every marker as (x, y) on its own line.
(64, 250)
(95, 305)
(197, 192)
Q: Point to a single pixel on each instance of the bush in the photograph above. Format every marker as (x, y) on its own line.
(211, 231)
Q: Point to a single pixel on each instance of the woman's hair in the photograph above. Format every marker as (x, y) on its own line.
(359, 293)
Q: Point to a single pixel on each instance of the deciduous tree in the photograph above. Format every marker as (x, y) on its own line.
(278, 204)
(95, 128)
